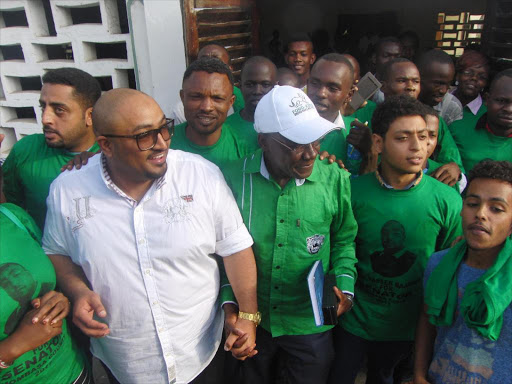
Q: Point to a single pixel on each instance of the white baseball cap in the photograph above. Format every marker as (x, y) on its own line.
(290, 112)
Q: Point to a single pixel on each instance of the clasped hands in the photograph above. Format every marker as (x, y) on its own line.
(240, 334)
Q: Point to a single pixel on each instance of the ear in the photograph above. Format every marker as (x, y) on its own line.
(313, 58)
(378, 142)
(262, 141)
(105, 144)
(88, 117)
(232, 99)
(182, 96)
(373, 58)
(384, 88)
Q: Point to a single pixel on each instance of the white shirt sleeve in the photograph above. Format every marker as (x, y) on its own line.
(232, 235)
(57, 237)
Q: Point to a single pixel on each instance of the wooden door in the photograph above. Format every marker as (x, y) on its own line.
(231, 23)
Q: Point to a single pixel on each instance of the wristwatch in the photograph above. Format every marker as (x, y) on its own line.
(351, 299)
(254, 317)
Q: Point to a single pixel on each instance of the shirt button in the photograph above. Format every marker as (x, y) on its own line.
(281, 221)
(276, 287)
(141, 241)
(155, 302)
(278, 267)
(167, 354)
(279, 245)
(148, 271)
(274, 307)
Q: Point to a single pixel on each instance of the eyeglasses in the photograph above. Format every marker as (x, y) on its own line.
(300, 148)
(147, 140)
(471, 74)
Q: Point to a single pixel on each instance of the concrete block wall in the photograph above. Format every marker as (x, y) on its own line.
(38, 35)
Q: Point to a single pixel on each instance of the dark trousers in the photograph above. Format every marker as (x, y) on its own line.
(212, 374)
(383, 356)
(304, 359)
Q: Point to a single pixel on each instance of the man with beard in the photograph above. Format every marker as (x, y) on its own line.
(207, 95)
(259, 75)
(67, 98)
(150, 299)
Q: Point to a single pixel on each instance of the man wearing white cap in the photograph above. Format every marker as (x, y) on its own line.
(298, 210)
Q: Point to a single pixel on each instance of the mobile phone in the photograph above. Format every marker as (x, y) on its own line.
(367, 87)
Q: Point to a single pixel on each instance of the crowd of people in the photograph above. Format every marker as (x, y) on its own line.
(180, 246)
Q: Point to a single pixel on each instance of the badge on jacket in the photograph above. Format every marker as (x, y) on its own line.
(314, 243)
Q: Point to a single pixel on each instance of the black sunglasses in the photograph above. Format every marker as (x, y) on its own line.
(147, 140)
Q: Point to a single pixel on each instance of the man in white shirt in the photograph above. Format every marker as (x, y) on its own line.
(134, 235)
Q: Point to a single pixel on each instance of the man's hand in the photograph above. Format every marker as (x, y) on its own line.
(360, 136)
(50, 308)
(77, 161)
(240, 334)
(448, 174)
(85, 304)
(344, 304)
(331, 159)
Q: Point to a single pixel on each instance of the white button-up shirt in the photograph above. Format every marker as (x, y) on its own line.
(152, 262)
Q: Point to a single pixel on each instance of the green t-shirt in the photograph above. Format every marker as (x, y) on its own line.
(26, 273)
(447, 151)
(335, 143)
(243, 127)
(476, 143)
(365, 113)
(230, 146)
(432, 166)
(29, 170)
(292, 227)
(239, 103)
(398, 231)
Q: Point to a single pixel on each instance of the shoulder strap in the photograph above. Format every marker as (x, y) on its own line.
(11, 216)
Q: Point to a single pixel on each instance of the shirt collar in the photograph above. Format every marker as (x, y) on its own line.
(339, 122)
(475, 104)
(105, 175)
(256, 163)
(414, 183)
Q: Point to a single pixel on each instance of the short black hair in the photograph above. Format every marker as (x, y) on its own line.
(491, 169)
(433, 56)
(505, 73)
(387, 39)
(430, 111)
(298, 37)
(386, 70)
(210, 65)
(391, 109)
(410, 35)
(86, 87)
(338, 58)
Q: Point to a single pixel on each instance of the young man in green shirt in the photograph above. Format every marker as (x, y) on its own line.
(403, 216)
(297, 210)
(207, 95)
(491, 137)
(67, 98)
(217, 51)
(259, 75)
(329, 87)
